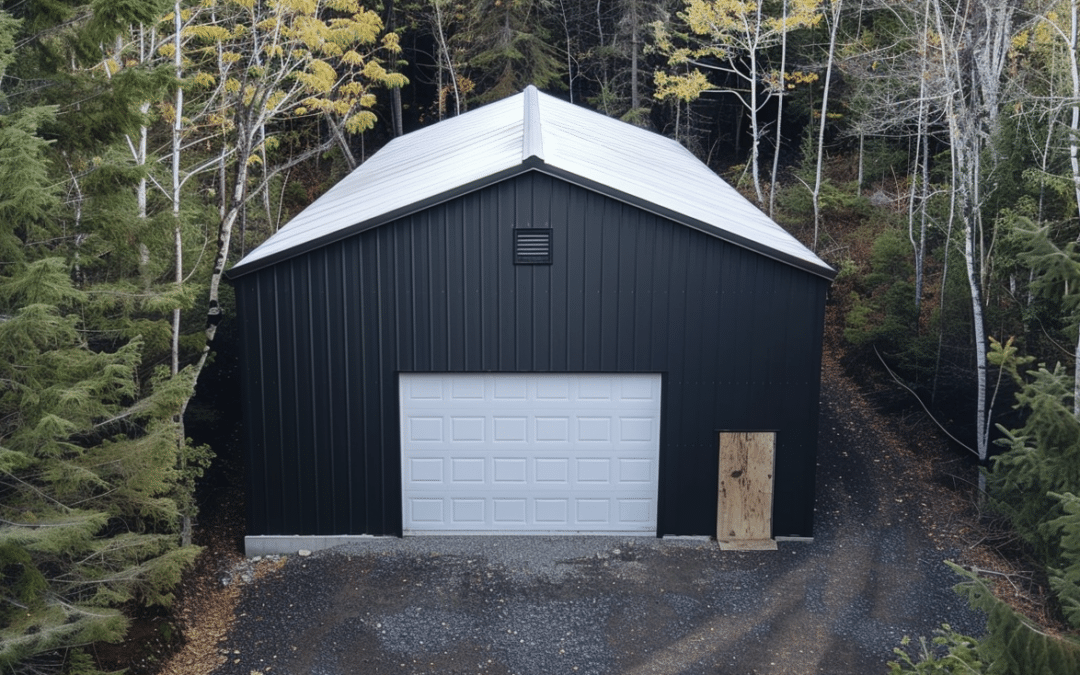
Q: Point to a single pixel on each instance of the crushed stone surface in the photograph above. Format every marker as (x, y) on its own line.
(605, 605)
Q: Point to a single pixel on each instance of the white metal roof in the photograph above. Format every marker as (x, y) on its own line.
(532, 130)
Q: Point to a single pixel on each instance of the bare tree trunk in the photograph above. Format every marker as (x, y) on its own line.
(1074, 160)
(635, 42)
(836, 7)
(978, 326)
(569, 50)
(861, 178)
(914, 182)
(973, 71)
(395, 92)
(186, 508)
(920, 255)
(755, 143)
(922, 153)
(780, 118)
(447, 58)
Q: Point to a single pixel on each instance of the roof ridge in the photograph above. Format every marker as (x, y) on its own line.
(532, 136)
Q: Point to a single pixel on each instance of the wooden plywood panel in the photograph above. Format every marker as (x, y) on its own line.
(744, 508)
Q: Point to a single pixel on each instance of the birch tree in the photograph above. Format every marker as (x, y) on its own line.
(268, 62)
(975, 39)
(835, 7)
(265, 64)
(732, 38)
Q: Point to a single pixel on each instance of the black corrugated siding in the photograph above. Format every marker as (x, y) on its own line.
(736, 336)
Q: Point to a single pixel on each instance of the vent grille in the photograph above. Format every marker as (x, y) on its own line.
(532, 246)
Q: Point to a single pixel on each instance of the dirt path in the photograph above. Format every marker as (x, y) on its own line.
(644, 606)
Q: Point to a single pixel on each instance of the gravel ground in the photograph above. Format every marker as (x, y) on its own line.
(604, 605)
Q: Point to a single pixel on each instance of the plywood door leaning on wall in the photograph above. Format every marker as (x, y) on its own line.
(745, 493)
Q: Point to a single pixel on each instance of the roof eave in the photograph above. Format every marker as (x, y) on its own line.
(240, 270)
(821, 270)
(532, 163)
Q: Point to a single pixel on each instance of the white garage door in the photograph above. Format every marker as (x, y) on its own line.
(530, 453)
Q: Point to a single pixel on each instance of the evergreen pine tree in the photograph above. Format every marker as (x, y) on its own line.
(88, 452)
(1012, 645)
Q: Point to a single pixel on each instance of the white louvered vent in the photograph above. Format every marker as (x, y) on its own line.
(532, 246)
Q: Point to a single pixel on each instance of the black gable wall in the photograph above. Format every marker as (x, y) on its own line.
(735, 335)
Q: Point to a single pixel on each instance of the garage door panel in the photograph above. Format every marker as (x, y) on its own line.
(426, 511)
(510, 388)
(593, 511)
(594, 429)
(636, 470)
(467, 429)
(467, 511)
(552, 429)
(639, 429)
(553, 389)
(466, 389)
(510, 512)
(635, 510)
(467, 470)
(594, 389)
(552, 470)
(509, 470)
(423, 429)
(594, 470)
(510, 429)
(530, 453)
(639, 388)
(552, 511)
(545, 514)
(426, 469)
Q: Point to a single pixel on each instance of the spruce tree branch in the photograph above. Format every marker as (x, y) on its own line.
(32, 526)
(137, 408)
(34, 488)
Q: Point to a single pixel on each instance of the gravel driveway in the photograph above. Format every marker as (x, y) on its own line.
(600, 605)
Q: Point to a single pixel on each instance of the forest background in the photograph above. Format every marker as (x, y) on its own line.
(926, 149)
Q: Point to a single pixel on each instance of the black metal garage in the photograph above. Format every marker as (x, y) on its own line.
(528, 236)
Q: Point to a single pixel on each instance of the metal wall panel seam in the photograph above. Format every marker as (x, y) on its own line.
(624, 296)
(310, 385)
(329, 377)
(301, 305)
(645, 278)
(385, 350)
(278, 417)
(288, 414)
(369, 295)
(347, 367)
(256, 284)
(560, 313)
(447, 226)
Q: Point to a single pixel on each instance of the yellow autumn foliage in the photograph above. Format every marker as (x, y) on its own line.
(722, 31)
(360, 122)
(685, 87)
(320, 77)
(207, 33)
(200, 80)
